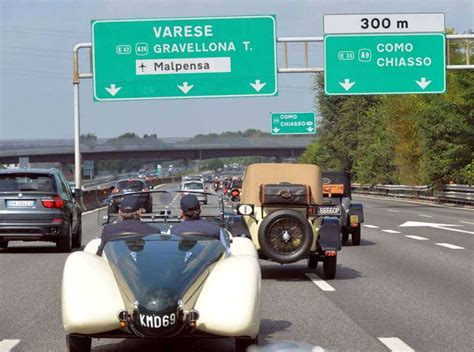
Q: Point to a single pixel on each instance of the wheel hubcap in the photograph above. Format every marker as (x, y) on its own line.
(286, 235)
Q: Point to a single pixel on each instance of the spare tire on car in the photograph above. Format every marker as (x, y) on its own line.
(285, 236)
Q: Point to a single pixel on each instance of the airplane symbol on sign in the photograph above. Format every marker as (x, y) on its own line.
(142, 66)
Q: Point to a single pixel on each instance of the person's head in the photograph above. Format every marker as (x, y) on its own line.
(190, 207)
(130, 208)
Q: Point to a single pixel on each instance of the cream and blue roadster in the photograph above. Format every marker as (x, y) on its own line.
(163, 285)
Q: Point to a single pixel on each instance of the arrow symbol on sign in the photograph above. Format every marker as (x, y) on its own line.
(347, 84)
(257, 85)
(113, 90)
(433, 225)
(185, 88)
(423, 83)
(310, 129)
(276, 130)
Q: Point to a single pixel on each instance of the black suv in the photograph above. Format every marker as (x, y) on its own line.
(38, 205)
(132, 185)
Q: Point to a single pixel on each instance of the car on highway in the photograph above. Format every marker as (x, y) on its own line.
(131, 185)
(195, 187)
(38, 205)
(283, 213)
(337, 191)
(163, 285)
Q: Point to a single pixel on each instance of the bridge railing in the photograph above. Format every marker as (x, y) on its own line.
(452, 193)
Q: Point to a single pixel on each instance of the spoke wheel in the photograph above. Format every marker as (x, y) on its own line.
(286, 235)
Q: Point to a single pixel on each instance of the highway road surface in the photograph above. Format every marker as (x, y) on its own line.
(408, 286)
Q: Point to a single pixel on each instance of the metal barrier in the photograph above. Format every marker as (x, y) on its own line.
(452, 193)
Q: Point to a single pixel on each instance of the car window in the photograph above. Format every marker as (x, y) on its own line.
(193, 185)
(24, 182)
(130, 185)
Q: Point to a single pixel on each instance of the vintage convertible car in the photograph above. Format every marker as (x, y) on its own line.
(163, 285)
(282, 208)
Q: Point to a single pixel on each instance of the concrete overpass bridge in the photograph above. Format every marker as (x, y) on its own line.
(62, 150)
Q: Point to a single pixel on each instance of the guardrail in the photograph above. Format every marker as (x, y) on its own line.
(451, 193)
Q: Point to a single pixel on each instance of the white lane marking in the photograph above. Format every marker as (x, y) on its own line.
(371, 226)
(395, 344)
(450, 246)
(436, 226)
(7, 345)
(323, 285)
(393, 211)
(391, 231)
(425, 216)
(92, 211)
(419, 238)
(467, 222)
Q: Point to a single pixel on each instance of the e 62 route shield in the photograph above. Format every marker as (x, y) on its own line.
(384, 64)
(184, 58)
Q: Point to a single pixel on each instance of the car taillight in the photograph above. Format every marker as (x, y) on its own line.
(56, 202)
(144, 190)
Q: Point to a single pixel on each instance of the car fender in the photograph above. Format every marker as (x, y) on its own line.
(92, 246)
(229, 303)
(243, 246)
(330, 234)
(91, 299)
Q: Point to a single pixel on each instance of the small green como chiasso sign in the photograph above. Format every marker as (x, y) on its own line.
(293, 123)
(384, 63)
(184, 58)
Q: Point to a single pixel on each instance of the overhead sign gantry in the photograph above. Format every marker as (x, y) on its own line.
(184, 58)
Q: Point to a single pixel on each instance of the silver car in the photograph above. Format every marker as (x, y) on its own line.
(195, 186)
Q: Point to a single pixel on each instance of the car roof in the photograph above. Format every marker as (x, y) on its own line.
(264, 173)
(50, 171)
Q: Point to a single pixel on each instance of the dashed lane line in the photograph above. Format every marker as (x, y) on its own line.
(418, 238)
(395, 344)
(450, 246)
(391, 231)
(7, 345)
(467, 222)
(323, 285)
(393, 211)
(424, 215)
(371, 226)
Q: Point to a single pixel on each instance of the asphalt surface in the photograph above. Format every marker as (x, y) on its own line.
(417, 292)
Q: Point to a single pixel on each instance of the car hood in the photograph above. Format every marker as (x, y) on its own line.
(159, 269)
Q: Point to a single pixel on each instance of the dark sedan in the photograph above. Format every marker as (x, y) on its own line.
(132, 185)
(38, 205)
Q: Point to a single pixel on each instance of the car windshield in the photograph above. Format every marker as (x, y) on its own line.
(23, 182)
(130, 185)
(193, 186)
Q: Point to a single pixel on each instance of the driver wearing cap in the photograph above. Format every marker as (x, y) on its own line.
(129, 221)
(192, 222)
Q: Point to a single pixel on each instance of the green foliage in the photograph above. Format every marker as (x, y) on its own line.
(401, 139)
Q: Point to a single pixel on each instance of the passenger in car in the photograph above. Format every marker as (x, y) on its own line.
(192, 221)
(129, 221)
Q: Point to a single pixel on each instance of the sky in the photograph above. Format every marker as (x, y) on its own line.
(37, 38)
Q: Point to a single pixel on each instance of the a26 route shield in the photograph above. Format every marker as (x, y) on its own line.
(184, 58)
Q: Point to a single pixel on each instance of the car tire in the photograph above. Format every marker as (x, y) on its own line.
(78, 343)
(329, 267)
(312, 261)
(3, 244)
(243, 343)
(64, 243)
(356, 236)
(270, 236)
(77, 239)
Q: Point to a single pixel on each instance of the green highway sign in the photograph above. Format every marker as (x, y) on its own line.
(293, 123)
(184, 58)
(384, 64)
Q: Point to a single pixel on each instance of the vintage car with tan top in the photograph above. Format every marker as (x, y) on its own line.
(163, 285)
(282, 209)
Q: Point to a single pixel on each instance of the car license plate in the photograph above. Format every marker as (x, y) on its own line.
(20, 203)
(354, 219)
